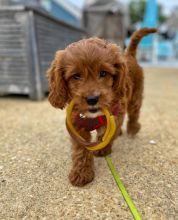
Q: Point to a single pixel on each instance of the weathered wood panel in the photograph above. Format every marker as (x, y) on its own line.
(52, 36)
(14, 72)
(28, 41)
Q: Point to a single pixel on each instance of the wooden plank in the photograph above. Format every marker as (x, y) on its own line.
(12, 53)
(14, 73)
(13, 60)
(11, 47)
(36, 92)
(58, 37)
(14, 81)
(11, 77)
(27, 47)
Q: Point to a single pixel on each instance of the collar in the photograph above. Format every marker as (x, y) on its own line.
(90, 124)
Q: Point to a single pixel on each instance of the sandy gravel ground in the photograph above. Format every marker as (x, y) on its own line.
(35, 161)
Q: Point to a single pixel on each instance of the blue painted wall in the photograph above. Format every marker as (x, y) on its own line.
(54, 9)
(150, 20)
(59, 12)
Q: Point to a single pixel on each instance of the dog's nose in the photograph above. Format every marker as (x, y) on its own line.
(92, 100)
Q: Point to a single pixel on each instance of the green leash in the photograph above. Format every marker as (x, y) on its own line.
(123, 190)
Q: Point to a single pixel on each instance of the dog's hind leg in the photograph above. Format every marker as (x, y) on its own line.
(134, 106)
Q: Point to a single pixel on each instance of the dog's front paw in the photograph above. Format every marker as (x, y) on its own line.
(81, 177)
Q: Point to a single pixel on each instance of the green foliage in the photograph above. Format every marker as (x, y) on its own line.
(137, 10)
(162, 18)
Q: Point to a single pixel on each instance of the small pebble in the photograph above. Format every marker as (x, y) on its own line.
(152, 142)
(13, 158)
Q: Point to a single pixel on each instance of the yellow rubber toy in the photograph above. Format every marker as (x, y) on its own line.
(109, 133)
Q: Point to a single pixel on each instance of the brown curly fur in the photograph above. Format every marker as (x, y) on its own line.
(122, 85)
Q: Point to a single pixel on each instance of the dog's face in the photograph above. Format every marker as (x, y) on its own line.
(90, 72)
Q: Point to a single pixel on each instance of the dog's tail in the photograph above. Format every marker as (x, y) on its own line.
(135, 39)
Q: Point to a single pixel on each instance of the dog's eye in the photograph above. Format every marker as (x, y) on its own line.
(103, 73)
(76, 76)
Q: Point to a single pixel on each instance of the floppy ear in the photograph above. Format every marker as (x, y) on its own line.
(57, 85)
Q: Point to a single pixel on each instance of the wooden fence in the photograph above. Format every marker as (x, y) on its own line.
(29, 39)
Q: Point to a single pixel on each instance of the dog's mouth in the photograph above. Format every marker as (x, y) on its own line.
(90, 111)
(94, 110)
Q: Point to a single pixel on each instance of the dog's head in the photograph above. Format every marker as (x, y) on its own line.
(90, 72)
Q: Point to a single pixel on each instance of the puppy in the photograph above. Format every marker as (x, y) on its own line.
(96, 74)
